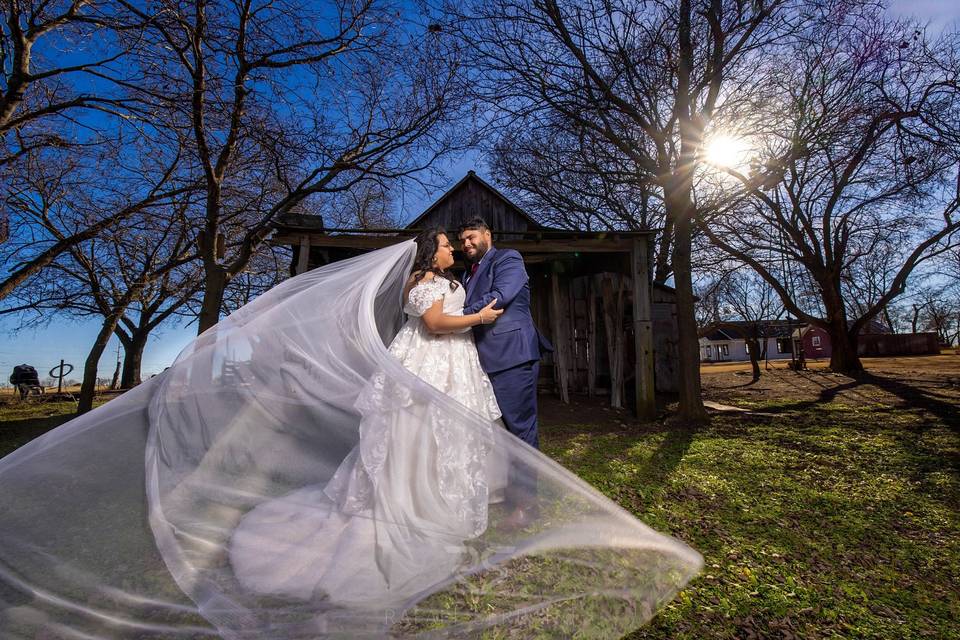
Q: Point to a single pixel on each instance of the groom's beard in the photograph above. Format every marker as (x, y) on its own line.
(482, 248)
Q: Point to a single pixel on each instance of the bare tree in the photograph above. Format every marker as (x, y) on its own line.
(570, 178)
(139, 263)
(159, 299)
(58, 199)
(739, 301)
(861, 185)
(108, 276)
(368, 205)
(753, 306)
(648, 79)
(942, 317)
(46, 96)
(282, 101)
(936, 308)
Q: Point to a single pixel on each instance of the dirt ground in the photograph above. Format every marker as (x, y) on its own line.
(929, 383)
(889, 364)
(921, 382)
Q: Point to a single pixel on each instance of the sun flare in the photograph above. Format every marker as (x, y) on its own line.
(727, 151)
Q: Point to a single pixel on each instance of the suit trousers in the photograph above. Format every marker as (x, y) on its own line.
(516, 392)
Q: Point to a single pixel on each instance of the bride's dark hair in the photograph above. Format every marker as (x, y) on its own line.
(427, 245)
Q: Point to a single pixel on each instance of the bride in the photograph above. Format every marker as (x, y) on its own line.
(392, 520)
(324, 462)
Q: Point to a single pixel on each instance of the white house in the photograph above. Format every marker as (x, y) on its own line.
(728, 344)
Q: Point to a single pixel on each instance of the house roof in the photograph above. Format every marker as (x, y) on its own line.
(872, 327)
(718, 335)
(740, 329)
(535, 239)
(471, 175)
(770, 328)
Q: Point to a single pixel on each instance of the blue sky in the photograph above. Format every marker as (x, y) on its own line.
(71, 339)
(939, 14)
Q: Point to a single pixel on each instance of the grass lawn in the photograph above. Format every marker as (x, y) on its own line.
(21, 422)
(832, 510)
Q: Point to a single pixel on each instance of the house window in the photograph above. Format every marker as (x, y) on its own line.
(784, 345)
(815, 341)
(724, 349)
(709, 351)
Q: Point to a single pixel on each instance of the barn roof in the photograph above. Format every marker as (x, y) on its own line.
(472, 176)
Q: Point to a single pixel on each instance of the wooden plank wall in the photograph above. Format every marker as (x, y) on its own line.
(590, 309)
(472, 200)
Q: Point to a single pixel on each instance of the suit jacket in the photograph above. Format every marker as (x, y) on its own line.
(513, 339)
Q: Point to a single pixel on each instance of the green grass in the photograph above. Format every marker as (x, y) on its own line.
(822, 521)
(816, 520)
(21, 422)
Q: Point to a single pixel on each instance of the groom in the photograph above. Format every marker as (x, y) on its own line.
(509, 351)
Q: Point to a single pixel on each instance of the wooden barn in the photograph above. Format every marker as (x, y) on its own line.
(614, 333)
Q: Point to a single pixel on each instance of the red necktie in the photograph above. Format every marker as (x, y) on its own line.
(473, 269)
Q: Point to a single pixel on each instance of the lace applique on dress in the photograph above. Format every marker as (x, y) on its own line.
(424, 294)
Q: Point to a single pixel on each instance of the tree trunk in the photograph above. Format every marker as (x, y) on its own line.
(691, 409)
(133, 358)
(843, 355)
(843, 342)
(89, 386)
(754, 346)
(680, 209)
(213, 287)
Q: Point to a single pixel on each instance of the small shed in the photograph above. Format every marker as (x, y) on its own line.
(613, 330)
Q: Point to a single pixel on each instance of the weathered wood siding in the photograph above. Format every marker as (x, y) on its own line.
(471, 199)
(582, 294)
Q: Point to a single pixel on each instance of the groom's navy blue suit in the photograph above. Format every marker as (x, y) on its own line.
(509, 348)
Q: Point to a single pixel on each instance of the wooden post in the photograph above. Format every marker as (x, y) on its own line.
(613, 324)
(643, 331)
(572, 328)
(559, 340)
(591, 336)
(303, 260)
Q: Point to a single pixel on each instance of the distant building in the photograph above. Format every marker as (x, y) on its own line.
(729, 342)
(875, 340)
(814, 340)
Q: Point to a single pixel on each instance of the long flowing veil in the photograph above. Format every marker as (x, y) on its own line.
(119, 523)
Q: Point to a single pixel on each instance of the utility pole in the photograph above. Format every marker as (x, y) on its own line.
(115, 383)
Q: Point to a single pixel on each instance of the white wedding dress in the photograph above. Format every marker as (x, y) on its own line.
(304, 466)
(392, 521)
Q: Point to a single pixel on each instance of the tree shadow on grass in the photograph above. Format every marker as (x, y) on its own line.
(667, 456)
(611, 435)
(914, 396)
(829, 392)
(16, 433)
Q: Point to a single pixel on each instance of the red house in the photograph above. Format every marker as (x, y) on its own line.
(875, 340)
(814, 340)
